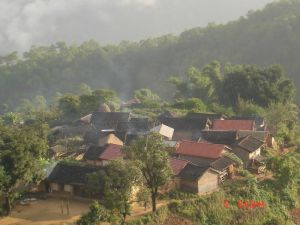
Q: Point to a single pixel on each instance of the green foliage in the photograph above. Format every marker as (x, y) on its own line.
(147, 98)
(71, 143)
(157, 218)
(262, 37)
(286, 172)
(261, 86)
(116, 182)
(120, 179)
(69, 105)
(180, 195)
(191, 104)
(216, 108)
(153, 162)
(247, 108)
(282, 119)
(143, 197)
(197, 85)
(20, 149)
(96, 214)
(11, 118)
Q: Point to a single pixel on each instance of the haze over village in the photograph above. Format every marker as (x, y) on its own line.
(149, 112)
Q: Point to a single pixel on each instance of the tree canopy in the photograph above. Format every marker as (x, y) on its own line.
(262, 37)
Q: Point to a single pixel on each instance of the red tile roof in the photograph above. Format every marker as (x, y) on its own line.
(112, 152)
(200, 149)
(233, 125)
(177, 165)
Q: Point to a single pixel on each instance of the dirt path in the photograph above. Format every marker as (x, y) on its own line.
(45, 212)
(48, 212)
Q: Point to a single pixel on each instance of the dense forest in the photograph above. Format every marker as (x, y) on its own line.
(269, 36)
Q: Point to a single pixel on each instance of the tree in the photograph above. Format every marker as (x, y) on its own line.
(108, 97)
(11, 118)
(119, 182)
(96, 215)
(147, 97)
(194, 104)
(69, 105)
(247, 108)
(197, 85)
(85, 89)
(153, 161)
(20, 151)
(260, 86)
(282, 119)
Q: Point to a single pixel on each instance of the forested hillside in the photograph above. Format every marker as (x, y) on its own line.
(262, 37)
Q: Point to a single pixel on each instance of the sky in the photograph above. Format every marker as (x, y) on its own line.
(24, 23)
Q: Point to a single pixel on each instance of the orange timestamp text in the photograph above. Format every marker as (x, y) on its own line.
(247, 204)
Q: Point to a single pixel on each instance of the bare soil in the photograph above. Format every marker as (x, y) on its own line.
(46, 212)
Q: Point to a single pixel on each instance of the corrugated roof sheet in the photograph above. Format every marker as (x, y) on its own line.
(250, 143)
(233, 125)
(112, 152)
(227, 137)
(177, 165)
(260, 135)
(222, 163)
(71, 174)
(184, 123)
(200, 149)
(192, 172)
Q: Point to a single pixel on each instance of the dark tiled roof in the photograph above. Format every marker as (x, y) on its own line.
(184, 123)
(210, 116)
(233, 125)
(200, 149)
(109, 120)
(249, 143)
(260, 135)
(258, 120)
(135, 126)
(192, 172)
(167, 114)
(222, 163)
(71, 174)
(107, 152)
(94, 152)
(219, 137)
(177, 165)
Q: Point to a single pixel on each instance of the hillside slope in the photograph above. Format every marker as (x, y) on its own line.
(264, 37)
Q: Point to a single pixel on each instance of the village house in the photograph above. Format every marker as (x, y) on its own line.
(264, 136)
(69, 180)
(225, 167)
(227, 137)
(163, 130)
(108, 120)
(176, 166)
(198, 179)
(101, 155)
(200, 153)
(185, 128)
(248, 149)
(124, 128)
